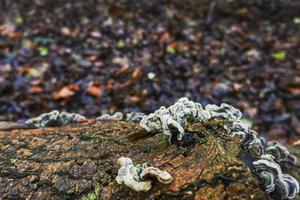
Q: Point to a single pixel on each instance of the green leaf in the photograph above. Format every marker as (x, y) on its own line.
(191, 23)
(44, 51)
(19, 20)
(120, 44)
(280, 55)
(170, 50)
(33, 72)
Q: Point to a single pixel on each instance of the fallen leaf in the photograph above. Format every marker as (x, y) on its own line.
(136, 73)
(134, 99)
(65, 31)
(19, 20)
(94, 90)
(36, 90)
(122, 69)
(92, 58)
(96, 34)
(120, 44)
(279, 55)
(43, 51)
(63, 93)
(33, 72)
(73, 87)
(294, 90)
(170, 50)
(165, 36)
(297, 142)
(237, 86)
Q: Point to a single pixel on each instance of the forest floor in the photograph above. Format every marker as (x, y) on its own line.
(95, 57)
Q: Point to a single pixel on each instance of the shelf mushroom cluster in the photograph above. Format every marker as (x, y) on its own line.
(267, 156)
(53, 118)
(164, 120)
(284, 186)
(132, 116)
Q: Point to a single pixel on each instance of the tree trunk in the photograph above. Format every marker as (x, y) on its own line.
(79, 161)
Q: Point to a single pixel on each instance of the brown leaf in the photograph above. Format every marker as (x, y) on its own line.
(136, 73)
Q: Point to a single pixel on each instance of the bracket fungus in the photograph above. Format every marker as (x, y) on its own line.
(266, 157)
(53, 118)
(280, 152)
(281, 186)
(115, 116)
(165, 120)
(134, 116)
(138, 177)
(131, 116)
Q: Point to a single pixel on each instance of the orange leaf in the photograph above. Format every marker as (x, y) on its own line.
(165, 36)
(92, 58)
(294, 90)
(172, 44)
(63, 93)
(134, 99)
(94, 90)
(73, 87)
(136, 73)
(36, 90)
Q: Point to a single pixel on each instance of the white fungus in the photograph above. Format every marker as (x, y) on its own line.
(54, 118)
(138, 177)
(115, 116)
(165, 120)
(273, 180)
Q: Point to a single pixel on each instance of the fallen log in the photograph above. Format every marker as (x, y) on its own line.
(79, 161)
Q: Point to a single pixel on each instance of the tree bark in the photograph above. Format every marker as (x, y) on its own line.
(80, 161)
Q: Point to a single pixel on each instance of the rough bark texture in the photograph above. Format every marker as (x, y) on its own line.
(80, 161)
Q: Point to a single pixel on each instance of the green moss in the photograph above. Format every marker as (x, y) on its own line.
(13, 162)
(94, 195)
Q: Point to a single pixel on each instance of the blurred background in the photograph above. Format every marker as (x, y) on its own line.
(103, 56)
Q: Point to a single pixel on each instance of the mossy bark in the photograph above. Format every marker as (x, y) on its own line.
(80, 160)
